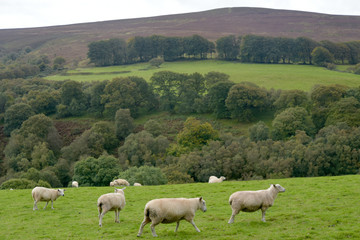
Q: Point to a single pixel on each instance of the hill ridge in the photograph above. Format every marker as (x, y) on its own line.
(70, 41)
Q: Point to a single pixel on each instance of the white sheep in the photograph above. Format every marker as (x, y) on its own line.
(137, 184)
(213, 179)
(75, 184)
(45, 195)
(169, 210)
(251, 201)
(119, 182)
(111, 202)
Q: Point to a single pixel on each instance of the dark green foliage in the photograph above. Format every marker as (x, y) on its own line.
(217, 94)
(142, 149)
(15, 115)
(291, 98)
(156, 62)
(259, 132)
(124, 123)
(290, 120)
(321, 56)
(228, 47)
(154, 127)
(345, 110)
(145, 175)
(244, 100)
(18, 184)
(96, 171)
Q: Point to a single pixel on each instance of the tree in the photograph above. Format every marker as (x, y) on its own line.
(156, 62)
(305, 46)
(321, 56)
(146, 175)
(124, 123)
(15, 115)
(244, 100)
(59, 63)
(228, 47)
(259, 132)
(291, 98)
(345, 110)
(286, 123)
(217, 95)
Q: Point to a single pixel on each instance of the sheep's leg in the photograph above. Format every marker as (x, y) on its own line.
(146, 221)
(263, 215)
(232, 218)
(52, 202)
(117, 212)
(46, 205)
(35, 206)
(152, 227)
(101, 217)
(193, 223)
(177, 225)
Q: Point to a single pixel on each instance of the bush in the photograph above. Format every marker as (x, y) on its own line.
(145, 175)
(16, 183)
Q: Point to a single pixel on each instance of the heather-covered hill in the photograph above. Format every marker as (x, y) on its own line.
(70, 41)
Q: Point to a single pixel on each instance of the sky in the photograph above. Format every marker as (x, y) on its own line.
(40, 13)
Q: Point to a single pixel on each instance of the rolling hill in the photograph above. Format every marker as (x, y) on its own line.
(70, 41)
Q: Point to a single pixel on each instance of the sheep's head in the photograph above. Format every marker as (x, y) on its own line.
(117, 190)
(61, 192)
(202, 204)
(223, 178)
(279, 187)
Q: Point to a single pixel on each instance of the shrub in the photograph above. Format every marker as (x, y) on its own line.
(16, 183)
(145, 175)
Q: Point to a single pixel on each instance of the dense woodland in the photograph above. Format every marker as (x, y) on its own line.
(248, 48)
(313, 133)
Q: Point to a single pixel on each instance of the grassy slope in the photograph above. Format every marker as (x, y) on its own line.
(277, 76)
(315, 208)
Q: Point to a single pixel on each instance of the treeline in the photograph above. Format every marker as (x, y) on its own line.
(248, 48)
(312, 134)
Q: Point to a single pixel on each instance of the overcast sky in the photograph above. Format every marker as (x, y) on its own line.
(37, 13)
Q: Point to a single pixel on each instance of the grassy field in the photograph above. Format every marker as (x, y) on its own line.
(312, 208)
(277, 76)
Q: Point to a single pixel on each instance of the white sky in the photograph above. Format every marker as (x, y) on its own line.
(37, 13)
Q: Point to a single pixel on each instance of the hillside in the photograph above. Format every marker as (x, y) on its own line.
(70, 41)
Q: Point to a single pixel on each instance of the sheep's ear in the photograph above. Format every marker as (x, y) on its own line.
(200, 199)
(123, 188)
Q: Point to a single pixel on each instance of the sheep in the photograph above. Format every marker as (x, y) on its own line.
(46, 195)
(214, 179)
(119, 182)
(137, 184)
(75, 184)
(251, 201)
(169, 210)
(111, 202)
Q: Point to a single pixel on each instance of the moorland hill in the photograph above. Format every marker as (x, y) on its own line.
(71, 41)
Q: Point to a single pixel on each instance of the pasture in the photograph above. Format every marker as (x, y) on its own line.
(313, 208)
(277, 76)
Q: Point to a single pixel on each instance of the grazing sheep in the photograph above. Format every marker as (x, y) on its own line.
(251, 201)
(214, 179)
(119, 182)
(111, 202)
(75, 184)
(137, 184)
(45, 195)
(169, 210)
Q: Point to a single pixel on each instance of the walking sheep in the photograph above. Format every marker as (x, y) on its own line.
(45, 195)
(169, 210)
(111, 202)
(214, 179)
(137, 184)
(251, 201)
(75, 184)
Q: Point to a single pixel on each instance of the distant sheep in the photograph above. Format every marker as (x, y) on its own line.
(119, 182)
(137, 184)
(111, 202)
(214, 179)
(251, 201)
(75, 184)
(45, 195)
(169, 210)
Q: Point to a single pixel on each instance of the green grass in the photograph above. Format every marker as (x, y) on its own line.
(277, 76)
(312, 208)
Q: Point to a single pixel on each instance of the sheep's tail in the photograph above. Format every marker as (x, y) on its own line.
(147, 212)
(100, 207)
(230, 201)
